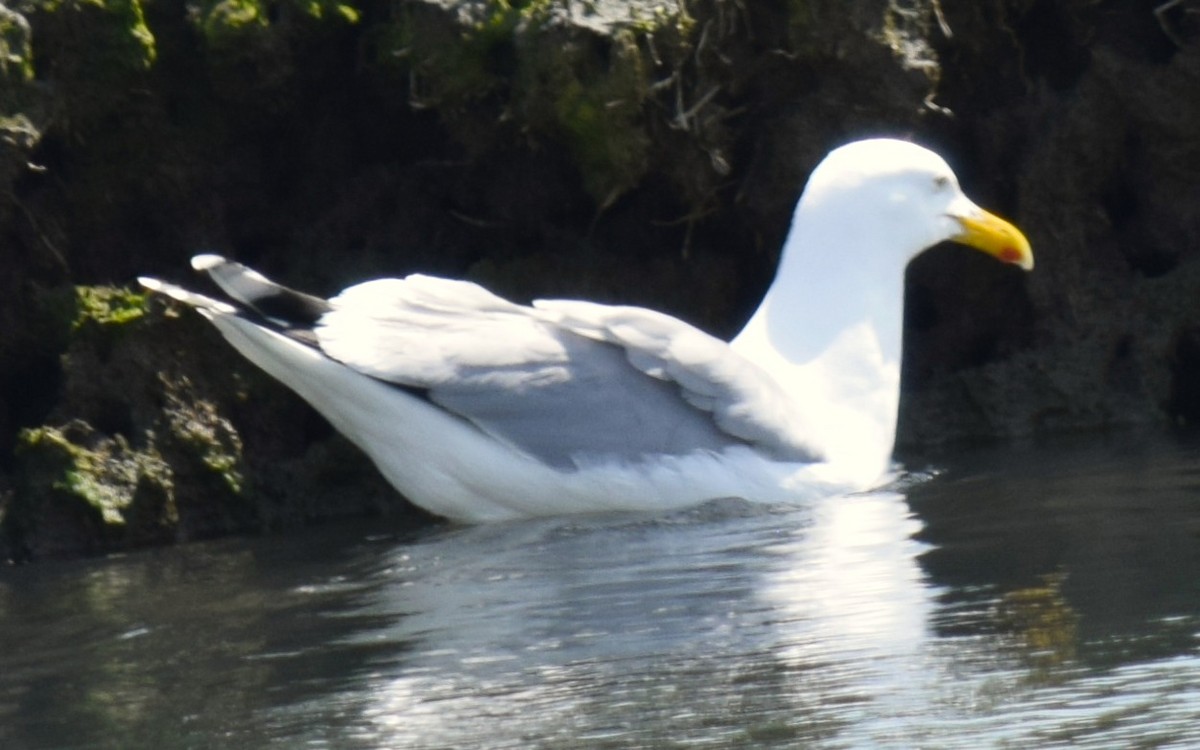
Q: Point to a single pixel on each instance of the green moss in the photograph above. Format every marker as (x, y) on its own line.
(80, 473)
(107, 306)
(22, 104)
(599, 112)
(460, 64)
(55, 463)
(211, 448)
(16, 54)
(330, 10)
(95, 53)
(141, 48)
(115, 28)
(229, 21)
(581, 77)
(257, 50)
(224, 463)
(232, 22)
(105, 498)
(97, 317)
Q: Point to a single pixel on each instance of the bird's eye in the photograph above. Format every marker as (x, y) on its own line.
(941, 182)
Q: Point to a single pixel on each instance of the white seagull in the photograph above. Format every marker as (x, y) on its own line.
(478, 409)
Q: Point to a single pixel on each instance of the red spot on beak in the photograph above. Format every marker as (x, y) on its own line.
(1010, 255)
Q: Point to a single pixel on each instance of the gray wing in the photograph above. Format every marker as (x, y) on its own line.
(568, 382)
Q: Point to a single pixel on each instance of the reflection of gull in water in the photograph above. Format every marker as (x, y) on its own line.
(556, 625)
(703, 624)
(865, 563)
(858, 608)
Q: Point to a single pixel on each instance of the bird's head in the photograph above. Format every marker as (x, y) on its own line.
(897, 194)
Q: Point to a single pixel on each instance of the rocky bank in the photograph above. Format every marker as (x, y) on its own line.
(645, 152)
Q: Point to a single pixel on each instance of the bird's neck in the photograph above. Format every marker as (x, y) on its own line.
(830, 331)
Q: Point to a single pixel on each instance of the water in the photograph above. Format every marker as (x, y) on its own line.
(1040, 597)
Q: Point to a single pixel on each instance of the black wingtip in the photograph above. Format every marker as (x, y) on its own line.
(275, 302)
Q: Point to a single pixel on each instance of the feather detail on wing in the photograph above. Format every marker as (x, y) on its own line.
(567, 382)
(424, 331)
(744, 400)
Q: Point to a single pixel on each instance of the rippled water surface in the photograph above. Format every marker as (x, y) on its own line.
(1025, 597)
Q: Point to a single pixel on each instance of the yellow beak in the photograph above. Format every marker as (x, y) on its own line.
(996, 237)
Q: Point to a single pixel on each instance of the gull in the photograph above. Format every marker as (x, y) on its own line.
(479, 409)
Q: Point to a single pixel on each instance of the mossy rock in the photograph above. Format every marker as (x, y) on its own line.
(103, 314)
(255, 49)
(228, 23)
(205, 451)
(119, 376)
(96, 54)
(16, 51)
(108, 306)
(594, 103)
(21, 118)
(133, 452)
(239, 29)
(146, 441)
(578, 74)
(77, 490)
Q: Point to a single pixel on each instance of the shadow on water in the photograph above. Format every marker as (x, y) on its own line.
(1022, 598)
(1088, 550)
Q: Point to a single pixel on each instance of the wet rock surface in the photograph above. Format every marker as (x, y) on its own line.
(638, 152)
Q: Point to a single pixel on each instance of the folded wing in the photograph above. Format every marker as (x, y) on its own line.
(567, 382)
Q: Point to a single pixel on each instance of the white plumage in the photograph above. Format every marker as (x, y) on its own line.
(479, 409)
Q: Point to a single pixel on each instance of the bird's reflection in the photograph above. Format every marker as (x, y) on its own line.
(724, 619)
(1011, 584)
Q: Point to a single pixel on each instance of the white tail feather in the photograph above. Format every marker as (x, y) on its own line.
(199, 301)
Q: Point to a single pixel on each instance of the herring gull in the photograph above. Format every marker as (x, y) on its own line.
(478, 409)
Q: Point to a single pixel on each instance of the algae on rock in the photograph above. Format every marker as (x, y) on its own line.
(20, 117)
(106, 306)
(94, 52)
(16, 51)
(77, 489)
(113, 466)
(579, 73)
(145, 444)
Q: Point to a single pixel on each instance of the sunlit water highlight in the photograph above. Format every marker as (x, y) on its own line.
(1040, 597)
